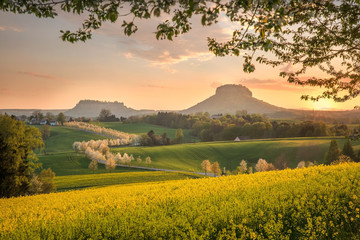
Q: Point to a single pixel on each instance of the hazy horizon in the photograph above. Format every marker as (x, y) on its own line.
(45, 109)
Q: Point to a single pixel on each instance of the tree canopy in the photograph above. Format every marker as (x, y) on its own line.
(348, 150)
(300, 33)
(333, 153)
(17, 159)
(179, 136)
(61, 118)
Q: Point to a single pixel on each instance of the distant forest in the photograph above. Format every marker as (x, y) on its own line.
(242, 125)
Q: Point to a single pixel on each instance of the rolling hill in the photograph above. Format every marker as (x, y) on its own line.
(188, 157)
(92, 108)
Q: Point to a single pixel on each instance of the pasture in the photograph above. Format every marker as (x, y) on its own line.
(62, 138)
(62, 159)
(59, 155)
(72, 170)
(70, 163)
(188, 157)
(185, 157)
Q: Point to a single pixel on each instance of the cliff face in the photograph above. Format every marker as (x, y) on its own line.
(232, 98)
(233, 90)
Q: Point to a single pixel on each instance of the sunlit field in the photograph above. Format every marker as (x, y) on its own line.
(61, 157)
(310, 203)
(65, 183)
(229, 154)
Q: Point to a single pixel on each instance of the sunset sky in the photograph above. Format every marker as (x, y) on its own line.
(39, 70)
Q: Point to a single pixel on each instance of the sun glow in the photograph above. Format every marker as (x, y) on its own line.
(323, 104)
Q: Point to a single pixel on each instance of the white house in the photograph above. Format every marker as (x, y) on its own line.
(43, 121)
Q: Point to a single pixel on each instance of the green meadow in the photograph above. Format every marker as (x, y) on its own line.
(72, 170)
(70, 163)
(62, 138)
(61, 158)
(59, 155)
(188, 157)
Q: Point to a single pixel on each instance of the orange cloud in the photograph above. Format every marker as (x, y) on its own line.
(155, 86)
(144, 45)
(10, 28)
(38, 75)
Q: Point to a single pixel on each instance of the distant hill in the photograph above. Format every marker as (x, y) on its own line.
(29, 112)
(92, 108)
(231, 98)
(227, 99)
(346, 116)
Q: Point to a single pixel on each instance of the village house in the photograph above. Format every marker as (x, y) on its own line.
(34, 121)
(44, 121)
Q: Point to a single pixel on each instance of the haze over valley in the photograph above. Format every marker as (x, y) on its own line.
(228, 99)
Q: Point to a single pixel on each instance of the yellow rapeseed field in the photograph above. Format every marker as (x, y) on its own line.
(320, 202)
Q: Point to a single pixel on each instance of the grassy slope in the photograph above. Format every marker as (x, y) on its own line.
(70, 163)
(85, 181)
(229, 154)
(62, 138)
(62, 159)
(139, 128)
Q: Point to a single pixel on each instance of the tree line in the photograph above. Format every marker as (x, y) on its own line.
(333, 156)
(261, 166)
(152, 139)
(241, 124)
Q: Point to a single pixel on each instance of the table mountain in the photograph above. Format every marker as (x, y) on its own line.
(231, 98)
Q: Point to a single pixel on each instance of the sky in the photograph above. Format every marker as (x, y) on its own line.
(39, 70)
